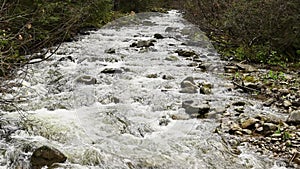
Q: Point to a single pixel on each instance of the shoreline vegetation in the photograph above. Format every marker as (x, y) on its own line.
(257, 32)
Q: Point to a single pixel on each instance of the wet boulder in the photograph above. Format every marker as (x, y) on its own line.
(86, 79)
(294, 117)
(188, 79)
(196, 108)
(186, 53)
(158, 36)
(164, 121)
(205, 88)
(111, 71)
(143, 43)
(154, 75)
(46, 156)
(188, 86)
(249, 123)
(172, 58)
(67, 58)
(110, 51)
(168, 77)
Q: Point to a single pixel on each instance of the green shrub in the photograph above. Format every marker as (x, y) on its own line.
(264, 31)
(140, 5)
(27, 26)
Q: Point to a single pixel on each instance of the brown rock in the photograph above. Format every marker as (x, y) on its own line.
(269, 102)
(186, 53)
(249, 123)
(46, 156)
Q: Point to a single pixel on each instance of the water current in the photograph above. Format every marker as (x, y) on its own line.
(105, 104)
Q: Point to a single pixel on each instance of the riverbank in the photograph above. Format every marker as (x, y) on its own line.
(266, 134)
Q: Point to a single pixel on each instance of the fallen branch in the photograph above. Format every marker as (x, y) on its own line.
(245, 88)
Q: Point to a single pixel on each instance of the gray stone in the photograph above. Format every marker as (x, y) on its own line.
(46, 156)
(294, 117)
(269, 102)
(86, 79)
(111, 71)
(144, 43)
(152, 75)
(188, 86)
(167, 77)
(251, 85)
(158, 36)
(245, 68)
(164, 121)
(193, 64)
(195, 108)
(172, 58)
(188, 79)
(186, 53)
(110, 51)
(239, 103)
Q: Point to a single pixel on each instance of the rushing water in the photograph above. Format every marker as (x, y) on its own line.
(117, 122)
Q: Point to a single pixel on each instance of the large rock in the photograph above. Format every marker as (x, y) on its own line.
(46, 156)
(188, 86)
(205, 88)
(110, 51)
(186, 53)
(249, 123)
(158, 36)
(111, 71)
(172, 58)
(143, 43)
(294, 117)
(196, 108)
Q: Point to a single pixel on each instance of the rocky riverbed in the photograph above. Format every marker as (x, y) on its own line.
(150, 91)
(278, 89)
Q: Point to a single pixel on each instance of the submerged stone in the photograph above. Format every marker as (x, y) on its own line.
(111, 71)
(171, 58)
(86, 79)
(110, 51)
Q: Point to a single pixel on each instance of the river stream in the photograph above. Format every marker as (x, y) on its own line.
(106, 102)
